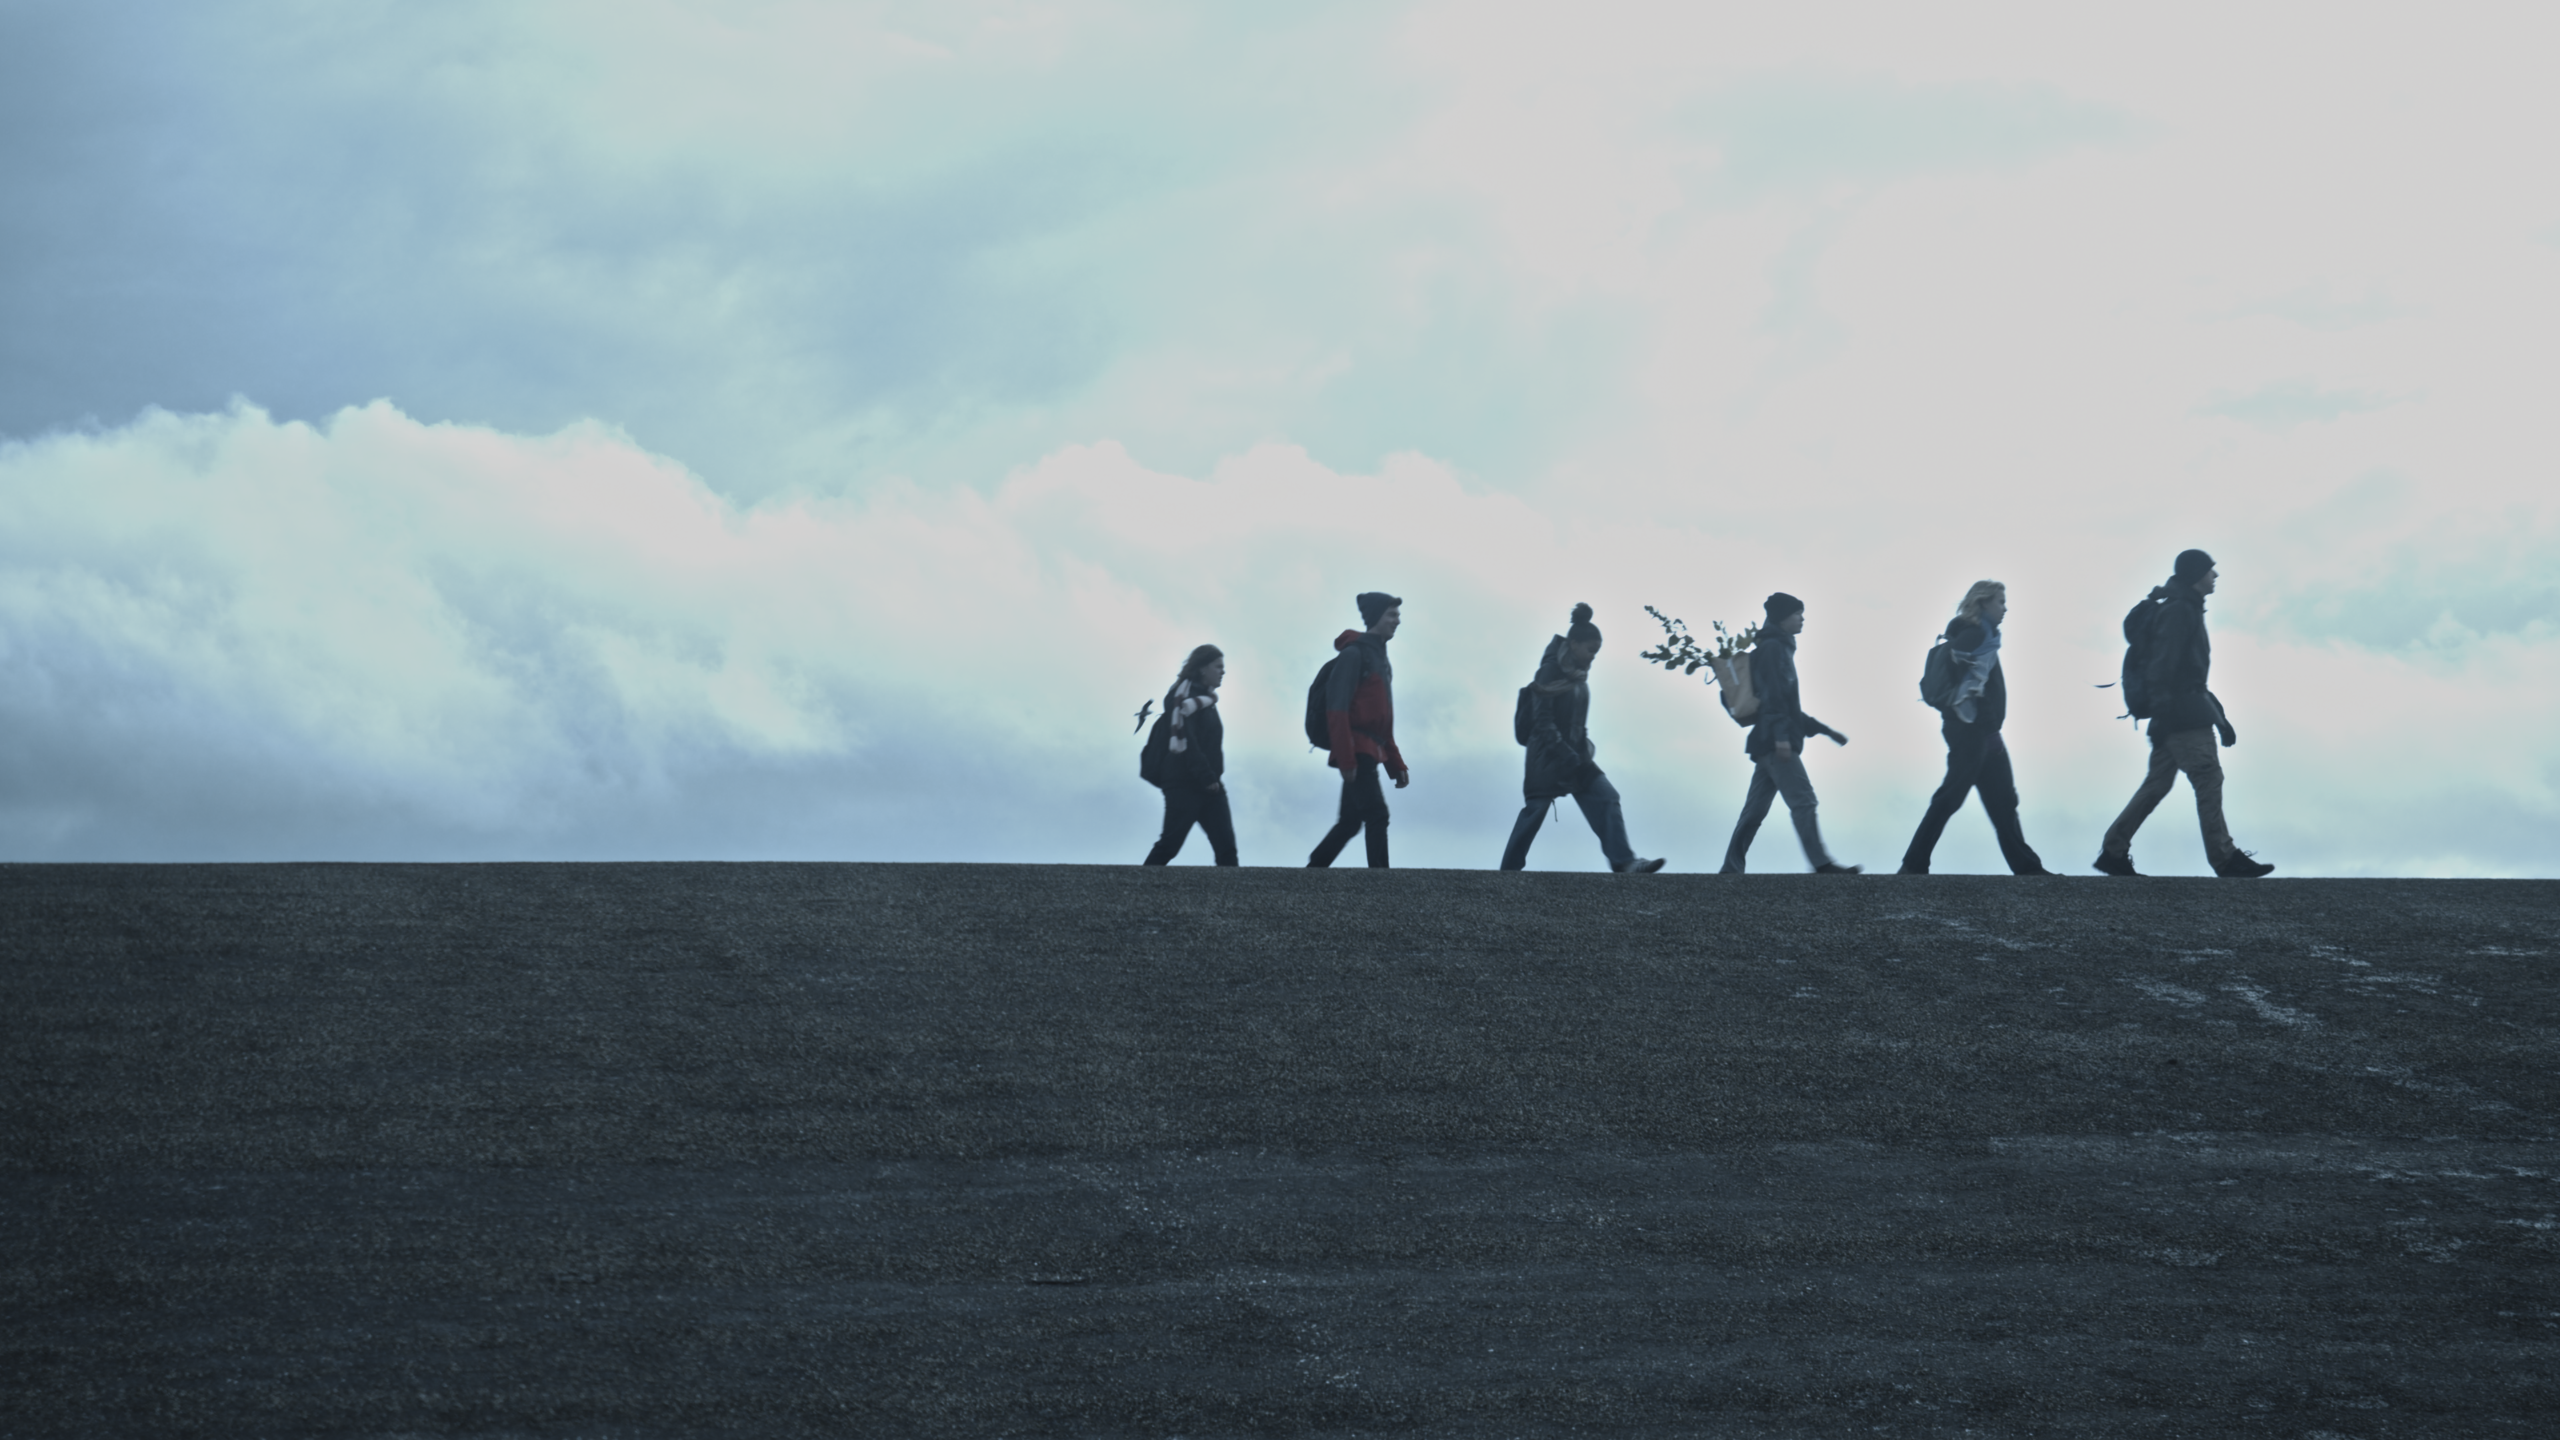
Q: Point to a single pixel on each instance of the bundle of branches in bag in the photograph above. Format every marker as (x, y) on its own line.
(1726, 659)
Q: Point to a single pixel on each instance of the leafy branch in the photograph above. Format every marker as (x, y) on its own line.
(1683, 653)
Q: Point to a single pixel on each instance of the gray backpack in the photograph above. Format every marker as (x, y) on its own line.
(1939, 675)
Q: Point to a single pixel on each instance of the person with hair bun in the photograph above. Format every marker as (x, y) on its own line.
(1195, 791)
(1560, 753)
(1976, 758)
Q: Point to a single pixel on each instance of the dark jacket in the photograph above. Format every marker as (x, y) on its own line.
(1991, 707)
(1781, 717)
(1360, 704)
(1560, 748)
(1203, 761)
(2178, 663)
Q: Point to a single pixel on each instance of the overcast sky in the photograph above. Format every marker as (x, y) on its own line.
(798, 430)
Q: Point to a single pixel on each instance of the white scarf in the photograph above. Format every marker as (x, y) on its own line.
(1182, 704)
(1978, 663)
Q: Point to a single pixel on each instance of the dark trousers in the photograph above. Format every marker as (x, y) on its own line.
(1976, 761)
(1189, 805)
(1364, 803)
(1600, 807)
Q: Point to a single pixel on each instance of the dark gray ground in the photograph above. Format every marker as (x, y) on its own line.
(952, 1150)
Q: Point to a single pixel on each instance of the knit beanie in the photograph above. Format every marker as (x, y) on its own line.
(1779, 606)
(1374, 603)
(2191, 566)
(1582, 629)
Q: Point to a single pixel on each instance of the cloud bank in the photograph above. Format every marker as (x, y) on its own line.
(499, 430)
(224, 635)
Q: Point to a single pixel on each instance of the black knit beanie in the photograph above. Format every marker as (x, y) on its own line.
(1779, 606)
(2191, 566)
(1582, 629)
(1374, 603)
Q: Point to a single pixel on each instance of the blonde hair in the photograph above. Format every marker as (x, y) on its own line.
(1983, 593)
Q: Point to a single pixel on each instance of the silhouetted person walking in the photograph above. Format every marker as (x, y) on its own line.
(2176, 660)
(1776, 745)
(1360, 724)
(1195, 791)
(1976, 758)
(1560, 762)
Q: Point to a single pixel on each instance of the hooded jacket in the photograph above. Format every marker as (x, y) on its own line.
(2179, 663)
(1360, 705)
(1560, 748)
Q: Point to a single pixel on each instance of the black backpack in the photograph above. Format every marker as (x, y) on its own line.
(1319, 730)
(2139, 622)
(1155, 758)
(1938, 675)
(1524, 715)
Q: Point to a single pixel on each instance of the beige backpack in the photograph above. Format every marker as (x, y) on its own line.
(1733, 686)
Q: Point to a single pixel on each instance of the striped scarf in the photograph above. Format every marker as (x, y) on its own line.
(1182, 703)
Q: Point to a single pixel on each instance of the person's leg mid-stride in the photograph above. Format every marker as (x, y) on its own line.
(1364, 807)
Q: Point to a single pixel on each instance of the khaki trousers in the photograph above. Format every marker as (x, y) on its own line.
(2194, 752)
(1771, 777)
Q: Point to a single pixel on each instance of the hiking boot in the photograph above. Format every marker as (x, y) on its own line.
(2241, 865)
(1641, 866)
(1910, 869)
(1828, 868)
(2114, 865)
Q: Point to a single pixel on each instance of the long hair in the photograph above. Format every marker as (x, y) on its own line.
(1983, 593)
(1199, 661)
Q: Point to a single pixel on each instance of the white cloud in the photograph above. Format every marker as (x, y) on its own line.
(2285, 405)
(225, 635)
(795, 354)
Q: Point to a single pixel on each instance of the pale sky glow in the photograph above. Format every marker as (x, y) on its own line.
(558, 431)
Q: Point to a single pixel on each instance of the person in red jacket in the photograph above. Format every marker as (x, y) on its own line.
(1360, 719)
